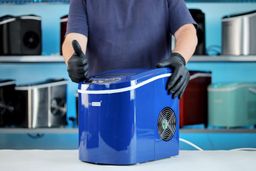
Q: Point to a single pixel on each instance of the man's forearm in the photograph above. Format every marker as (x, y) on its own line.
(67, 48)
(186, 41)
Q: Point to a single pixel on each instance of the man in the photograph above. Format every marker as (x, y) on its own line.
(118, 34)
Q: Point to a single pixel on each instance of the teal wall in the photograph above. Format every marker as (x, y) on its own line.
(25, 73)
(52, 12)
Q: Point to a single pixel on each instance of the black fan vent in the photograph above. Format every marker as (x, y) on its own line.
(166, 124)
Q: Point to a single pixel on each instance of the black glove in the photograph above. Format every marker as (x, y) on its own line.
(179, 79)
(78, 64)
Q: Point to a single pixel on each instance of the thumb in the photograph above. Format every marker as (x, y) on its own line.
(77, 48)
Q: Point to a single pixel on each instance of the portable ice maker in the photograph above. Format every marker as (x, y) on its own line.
(127, 117)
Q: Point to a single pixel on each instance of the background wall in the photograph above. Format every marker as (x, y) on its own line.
(51, 13)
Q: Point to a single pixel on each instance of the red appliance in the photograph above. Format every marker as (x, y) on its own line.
(194, 102)
(63, 29)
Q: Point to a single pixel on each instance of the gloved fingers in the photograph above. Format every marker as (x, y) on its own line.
(183, 88)
(163, 63)
(173, 80)
(77, 61)
(77, 78)
(79, 70)
(77, 48)
(179, 84)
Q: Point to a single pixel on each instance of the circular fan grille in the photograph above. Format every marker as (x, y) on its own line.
(166, 124)
(31, 39)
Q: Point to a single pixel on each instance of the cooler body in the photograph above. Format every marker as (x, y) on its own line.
(232, 105)
(121, 123)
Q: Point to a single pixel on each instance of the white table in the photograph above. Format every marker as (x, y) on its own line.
(67, 160)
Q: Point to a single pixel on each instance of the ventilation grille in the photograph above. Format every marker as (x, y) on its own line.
(166, 124)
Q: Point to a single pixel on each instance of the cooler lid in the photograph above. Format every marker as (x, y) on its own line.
(230, 86)
(199, 74)
(7, 19)
(30, 17)
(6, 82)
(240, 14)
(122, 79)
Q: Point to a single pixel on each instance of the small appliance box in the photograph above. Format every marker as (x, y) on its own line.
(232, 104)
(20, 35)
(7, 103)
(199, 16)
(239, 34)
(127, 117)
(63, 29)
(41, 105)
(193, 104)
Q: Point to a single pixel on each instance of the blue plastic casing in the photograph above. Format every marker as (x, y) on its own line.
(118, 117)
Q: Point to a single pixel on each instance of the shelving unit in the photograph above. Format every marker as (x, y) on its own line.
(75, 131)
(59, 59)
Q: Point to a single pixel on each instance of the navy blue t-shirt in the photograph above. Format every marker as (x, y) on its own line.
(126, 33)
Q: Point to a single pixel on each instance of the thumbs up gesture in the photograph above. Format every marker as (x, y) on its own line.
(77, 64)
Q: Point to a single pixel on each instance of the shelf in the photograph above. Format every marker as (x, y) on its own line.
(75, 131)
(59, 59)
(38, 131)
(31, 59)
(223, 59)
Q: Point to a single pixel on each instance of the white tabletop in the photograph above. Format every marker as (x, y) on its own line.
(67, 160)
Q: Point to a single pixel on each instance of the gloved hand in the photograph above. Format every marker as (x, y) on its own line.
(179, 79)
(77, 64)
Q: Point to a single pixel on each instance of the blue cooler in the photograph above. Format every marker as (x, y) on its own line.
(127, 117)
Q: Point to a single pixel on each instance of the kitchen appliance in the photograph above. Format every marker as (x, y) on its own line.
(63, 29)
(239, 34)
(20, 35)
(127, 117)
(232, 104)
(193, 104)
(42, 105)
(7, 102)
(199, 17)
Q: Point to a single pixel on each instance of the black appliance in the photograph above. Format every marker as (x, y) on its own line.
(63, 29)
(7, 102)
(42, 105)
(199, 17)
(20, 35)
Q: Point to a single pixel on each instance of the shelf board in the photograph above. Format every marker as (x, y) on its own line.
(31, 59)
(38, 131)
(59, 59)
(223, 59)
(75, 131)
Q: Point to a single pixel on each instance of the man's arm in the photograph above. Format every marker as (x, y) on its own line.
(186, 41)
(74, 48)
(67, 48)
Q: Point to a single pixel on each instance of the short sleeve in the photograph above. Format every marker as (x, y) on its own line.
(179, 15)
(77, 17)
